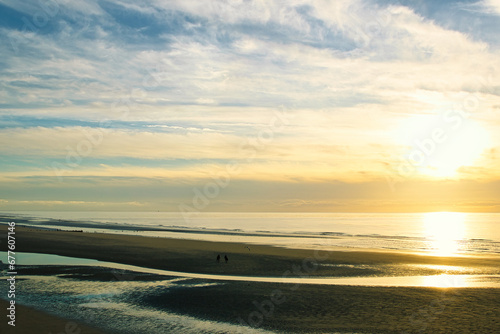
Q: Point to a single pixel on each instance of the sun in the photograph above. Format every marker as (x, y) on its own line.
(440, 146)
(462, 148)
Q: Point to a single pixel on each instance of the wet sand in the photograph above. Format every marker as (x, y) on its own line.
(304, 308)
(327, 309)
(290, 308)
(29, 321)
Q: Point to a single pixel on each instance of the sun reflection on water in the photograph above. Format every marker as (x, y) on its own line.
(445, 230)
(446, 281)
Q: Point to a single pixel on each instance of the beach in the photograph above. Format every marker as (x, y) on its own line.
(297, 308)
(197, 256)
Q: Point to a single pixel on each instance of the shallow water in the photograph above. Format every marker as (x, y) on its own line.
(108, 305)
(72, 290)
(443, 280)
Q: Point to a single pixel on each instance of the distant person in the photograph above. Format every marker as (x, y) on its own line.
(218, 258)
(225, 258)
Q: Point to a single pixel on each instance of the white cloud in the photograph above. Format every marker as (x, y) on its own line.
(491, 6)
(401, 52)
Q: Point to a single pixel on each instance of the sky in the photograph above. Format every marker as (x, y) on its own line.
(241, 105)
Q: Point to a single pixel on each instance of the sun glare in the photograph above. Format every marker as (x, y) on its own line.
(461, 150)
(445, 230)
(445, 281)
(439, 148)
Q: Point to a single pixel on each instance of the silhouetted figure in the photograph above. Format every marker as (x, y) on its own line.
(218, 258)
(225, 258)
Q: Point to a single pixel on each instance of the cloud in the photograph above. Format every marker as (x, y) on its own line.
(55, 205)
(177, 89)
(490, 6)
(101, 66)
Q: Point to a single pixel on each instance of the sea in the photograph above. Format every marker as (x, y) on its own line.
(439, 233)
